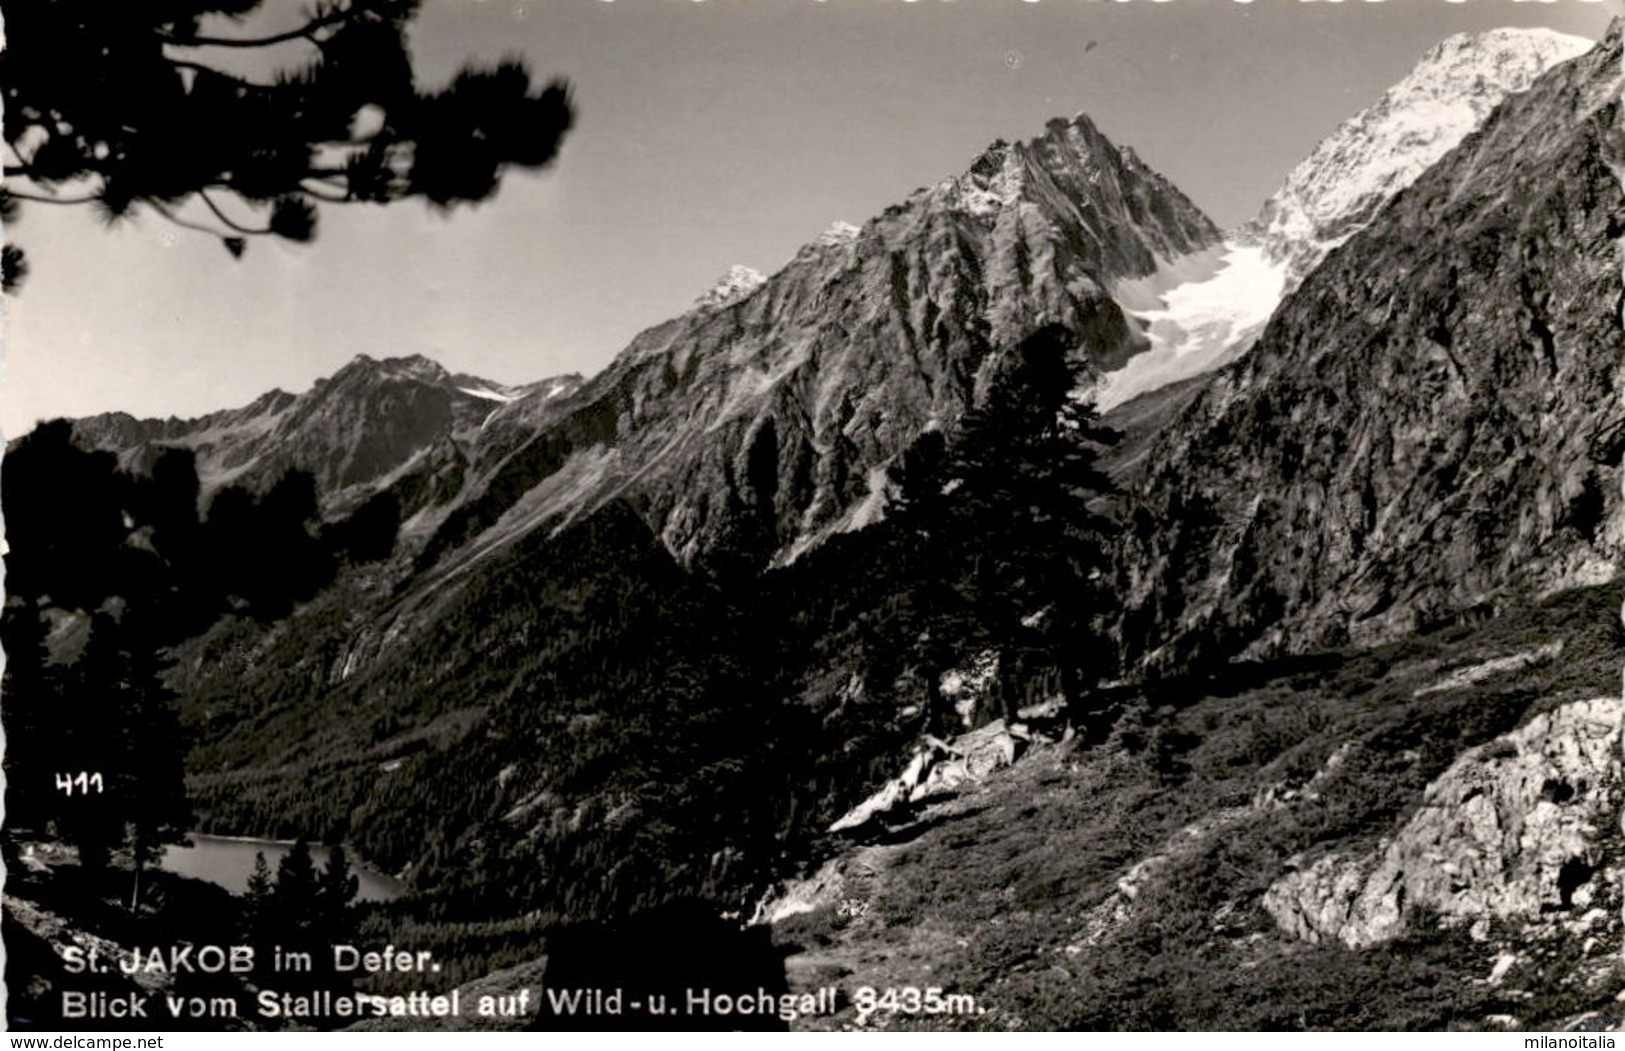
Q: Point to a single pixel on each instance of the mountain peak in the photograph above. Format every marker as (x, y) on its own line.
(1074, 175)
(731, 287)
(1382, 149)
(839, 232)
(411, 367)
(1505, 39)
(1199, 318)
(1409, 362)
(992, 183)
(1071, 151)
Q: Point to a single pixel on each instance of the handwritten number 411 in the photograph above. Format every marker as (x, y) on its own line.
(83, 782)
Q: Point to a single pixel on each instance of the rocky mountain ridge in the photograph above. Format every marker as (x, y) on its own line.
(1203, 313)
(754, 426)
(576, 585)
(1430, 422)
(705, 491)
(1373, 155)
(367, 427)
(739, 282)
(764, 418)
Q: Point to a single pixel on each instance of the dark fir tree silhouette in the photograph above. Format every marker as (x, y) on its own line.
(308, 910)
(998, 537)
(65, 510)
(264, 552)
(926, 620)
(128, 107)
(258, 918)
(112, 569)
(151, 775)
(336, 888)
(295, 897)
(105, 768)
(370, 533)
(1037, 546)
(335, 920)
(31, 699)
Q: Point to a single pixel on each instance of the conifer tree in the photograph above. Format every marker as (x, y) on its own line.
(336, 889)
(65, 512)
(131, 107)
(926, 617)
(1037, 544)
(122, 731)
(257, 906)
(295, 897)
(29, 708)
(1005, 547)
(295, 915)
(95, 691)
(152, 775)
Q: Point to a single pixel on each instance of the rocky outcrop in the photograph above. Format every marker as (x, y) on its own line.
(1476, 673)
(1430, 423)
(1508, 832)
(935, 769)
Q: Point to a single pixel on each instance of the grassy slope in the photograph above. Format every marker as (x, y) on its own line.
(997, 892)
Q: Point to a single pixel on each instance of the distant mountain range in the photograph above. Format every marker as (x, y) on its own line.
(871, 335)
(766, 415)
(1467, 272)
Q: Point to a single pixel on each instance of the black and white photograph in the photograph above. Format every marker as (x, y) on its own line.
(813, 515)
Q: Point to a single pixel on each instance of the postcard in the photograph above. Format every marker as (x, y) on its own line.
(812, 516)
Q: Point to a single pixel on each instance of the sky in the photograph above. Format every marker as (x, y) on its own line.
(708, 133)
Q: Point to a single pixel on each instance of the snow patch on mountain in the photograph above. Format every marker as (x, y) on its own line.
(1199, 324)
(735, 285)
(487, 394)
